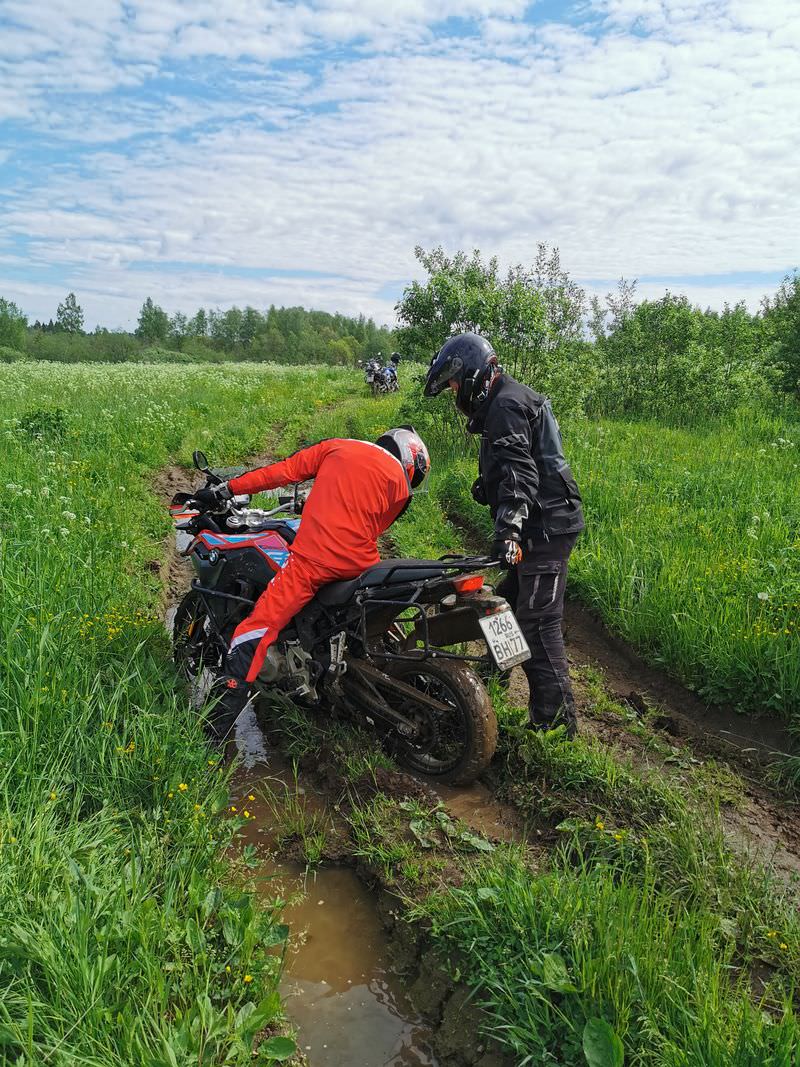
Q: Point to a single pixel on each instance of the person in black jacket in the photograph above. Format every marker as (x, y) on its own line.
(534, 502)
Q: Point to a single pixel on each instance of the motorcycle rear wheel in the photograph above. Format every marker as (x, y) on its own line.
(458, 748)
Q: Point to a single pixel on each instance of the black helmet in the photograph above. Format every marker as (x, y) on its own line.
(468, 359)
(395, 357)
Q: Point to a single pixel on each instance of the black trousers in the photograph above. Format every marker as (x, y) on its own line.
(535, 589)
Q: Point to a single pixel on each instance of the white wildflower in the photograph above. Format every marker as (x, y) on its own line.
(70, 516)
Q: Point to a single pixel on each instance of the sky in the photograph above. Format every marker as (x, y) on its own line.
(262, 151)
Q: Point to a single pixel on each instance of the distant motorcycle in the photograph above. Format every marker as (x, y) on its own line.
(372, 374)
(377, 648)
(387, 380)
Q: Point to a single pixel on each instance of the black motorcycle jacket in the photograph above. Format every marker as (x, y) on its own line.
(524, 477)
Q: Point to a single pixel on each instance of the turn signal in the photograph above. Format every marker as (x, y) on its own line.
(470, 584)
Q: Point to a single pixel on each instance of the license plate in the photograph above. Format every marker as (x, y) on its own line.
(504, 638)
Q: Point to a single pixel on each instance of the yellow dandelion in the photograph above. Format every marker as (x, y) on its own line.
(250, 796)
(246, 813)
(248, 978)
(183, 787)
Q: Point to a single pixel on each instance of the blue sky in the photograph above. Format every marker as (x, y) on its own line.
(260, 151)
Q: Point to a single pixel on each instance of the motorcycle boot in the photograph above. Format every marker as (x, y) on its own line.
(228, 699)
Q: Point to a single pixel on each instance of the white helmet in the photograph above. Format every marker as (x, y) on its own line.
(405, 444)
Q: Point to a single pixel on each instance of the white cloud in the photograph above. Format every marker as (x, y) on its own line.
(667, 153)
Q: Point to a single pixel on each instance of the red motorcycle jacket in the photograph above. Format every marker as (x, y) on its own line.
(359, 490)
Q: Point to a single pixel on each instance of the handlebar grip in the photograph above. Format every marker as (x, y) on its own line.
(286, 499)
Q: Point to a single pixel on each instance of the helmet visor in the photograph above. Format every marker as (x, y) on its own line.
(443, 370)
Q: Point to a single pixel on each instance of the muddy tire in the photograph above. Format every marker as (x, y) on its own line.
(474, 727)
(192, 651)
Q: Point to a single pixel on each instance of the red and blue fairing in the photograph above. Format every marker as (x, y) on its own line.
(270, 544)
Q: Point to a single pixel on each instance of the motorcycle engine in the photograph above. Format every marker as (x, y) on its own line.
(289, 663)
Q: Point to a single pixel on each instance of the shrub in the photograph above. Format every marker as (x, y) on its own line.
(11, 355)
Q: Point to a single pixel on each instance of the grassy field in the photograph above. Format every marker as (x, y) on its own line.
(124, 936)
(122, 940)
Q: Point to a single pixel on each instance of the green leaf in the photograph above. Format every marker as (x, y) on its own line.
(485, 892)
(266, 1011)
(476, 842)
(276, 935)
(420, 829)
(279, 1048)
(601, 1045)
(555, 975)
(212, 901)
(250, 856)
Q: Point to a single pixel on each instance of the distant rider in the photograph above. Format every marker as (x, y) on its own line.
(534, 502)
(359, 490)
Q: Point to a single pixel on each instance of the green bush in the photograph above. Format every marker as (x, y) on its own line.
(669, 360)
(156, 354)
(11, 355)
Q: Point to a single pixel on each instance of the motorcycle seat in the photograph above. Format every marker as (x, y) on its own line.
(387, 572)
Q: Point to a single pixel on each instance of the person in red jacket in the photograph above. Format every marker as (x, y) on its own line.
(359, 490)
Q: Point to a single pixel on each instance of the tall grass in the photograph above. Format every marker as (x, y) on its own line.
(122, 939)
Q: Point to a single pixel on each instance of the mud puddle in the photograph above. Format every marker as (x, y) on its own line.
(339, 986)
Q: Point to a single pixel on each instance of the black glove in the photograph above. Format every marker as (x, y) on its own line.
(213, 496)
(507, 551)
(478, 492)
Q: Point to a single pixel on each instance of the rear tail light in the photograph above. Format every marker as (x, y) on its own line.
(471, 584)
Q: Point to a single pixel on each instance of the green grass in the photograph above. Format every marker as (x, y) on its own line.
(549, 953)
(123, 937)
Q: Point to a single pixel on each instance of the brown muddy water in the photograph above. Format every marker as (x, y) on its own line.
(349, 1005)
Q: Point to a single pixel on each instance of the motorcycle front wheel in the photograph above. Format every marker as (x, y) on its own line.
(456, 745)
(195, 651)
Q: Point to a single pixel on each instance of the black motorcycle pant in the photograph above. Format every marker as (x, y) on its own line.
(535, 589)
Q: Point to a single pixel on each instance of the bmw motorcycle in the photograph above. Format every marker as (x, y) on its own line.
(388, 649)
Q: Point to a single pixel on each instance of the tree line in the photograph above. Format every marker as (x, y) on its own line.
(284, 335)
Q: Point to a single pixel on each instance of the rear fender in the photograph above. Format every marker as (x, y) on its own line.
(459, 624)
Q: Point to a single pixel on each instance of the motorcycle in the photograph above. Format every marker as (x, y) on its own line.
(387, 380)
(377, 649)
(372, 375)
